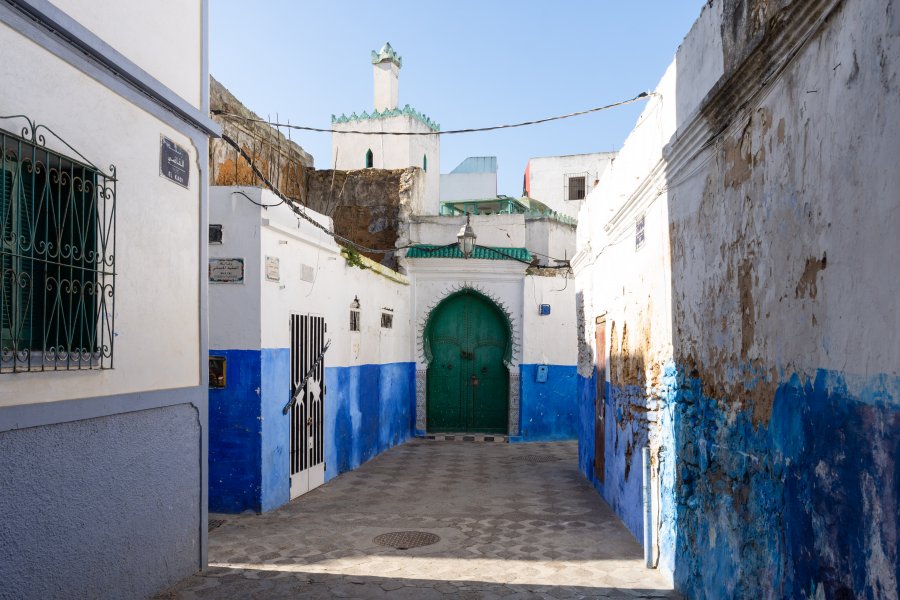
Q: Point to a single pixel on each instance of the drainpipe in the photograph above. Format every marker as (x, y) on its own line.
(648, 510)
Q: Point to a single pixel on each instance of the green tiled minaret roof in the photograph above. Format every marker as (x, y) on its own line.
(387, 53)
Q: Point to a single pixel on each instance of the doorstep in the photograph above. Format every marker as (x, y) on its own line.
(464, 437)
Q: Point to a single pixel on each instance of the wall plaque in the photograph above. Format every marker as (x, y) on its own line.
(226, 270)
(174, 162)
(273, 268)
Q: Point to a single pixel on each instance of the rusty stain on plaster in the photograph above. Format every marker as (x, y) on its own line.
(806, 287)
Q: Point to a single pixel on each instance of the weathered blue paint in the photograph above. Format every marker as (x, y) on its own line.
(275, 447)
(586, 390)
(235, 435)
(804, 503)
(625, 436)
(548, 410)
(368, 409)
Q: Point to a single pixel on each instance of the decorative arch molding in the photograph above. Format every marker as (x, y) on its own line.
(514, 355)
(512, 364)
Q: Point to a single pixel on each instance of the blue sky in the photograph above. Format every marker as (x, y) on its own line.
(466, 63)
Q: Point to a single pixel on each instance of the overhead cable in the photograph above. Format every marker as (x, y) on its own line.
(640, 96)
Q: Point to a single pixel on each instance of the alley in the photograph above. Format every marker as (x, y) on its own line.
(511, 521)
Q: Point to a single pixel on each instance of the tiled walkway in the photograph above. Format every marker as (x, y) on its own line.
(514, 521)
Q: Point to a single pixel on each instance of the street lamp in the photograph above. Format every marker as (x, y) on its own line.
(466, 238)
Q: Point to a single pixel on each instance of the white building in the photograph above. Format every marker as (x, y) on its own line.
(281, 289)
(103, 361)
(366, 151)
(563, 182)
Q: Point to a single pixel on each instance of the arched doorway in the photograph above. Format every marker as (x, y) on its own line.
(467, 339)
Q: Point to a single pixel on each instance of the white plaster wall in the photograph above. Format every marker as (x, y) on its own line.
(549, 237)
(233, 307)
(507, 231)
(468, 186)
(161, 37)
(548, 178)
(157, 229)
(550, 339)
(390, 151)
(296, 243)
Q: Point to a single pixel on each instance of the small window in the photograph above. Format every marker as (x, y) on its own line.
(639, 233)
(425, 163)
(576, 187)
(215, 234)
(354, 320)
(370, 159)
(217, 372)
(387, 320)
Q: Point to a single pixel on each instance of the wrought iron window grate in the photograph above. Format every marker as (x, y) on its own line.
(57, 256)
(575, 186)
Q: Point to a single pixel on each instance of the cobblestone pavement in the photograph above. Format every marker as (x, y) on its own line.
(515, 521)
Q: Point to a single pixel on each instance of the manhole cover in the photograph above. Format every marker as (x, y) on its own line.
(213, 523)
(536, 458)
(403, 540)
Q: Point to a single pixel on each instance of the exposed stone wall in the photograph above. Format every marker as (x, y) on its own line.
(763, 372)
(369, 206)
(282, 161)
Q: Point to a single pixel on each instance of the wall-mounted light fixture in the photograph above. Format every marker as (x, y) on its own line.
(355, 304)
(466, 238)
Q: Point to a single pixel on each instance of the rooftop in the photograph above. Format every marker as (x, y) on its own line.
(477, 164)
(387, 53)
(482, 252)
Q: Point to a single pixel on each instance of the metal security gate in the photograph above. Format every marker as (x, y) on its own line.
(307, 411)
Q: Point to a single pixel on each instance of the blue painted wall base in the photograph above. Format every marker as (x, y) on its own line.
(368, 409)
(548, 410)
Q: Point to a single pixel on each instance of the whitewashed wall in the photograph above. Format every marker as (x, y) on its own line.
(507, 231)
(157, 225)
(255, 314)
(549, 339)
(160, 37)
(468, 186)
(548, 178)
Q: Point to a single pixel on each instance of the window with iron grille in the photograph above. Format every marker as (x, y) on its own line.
(576, 186)
(639, 233)
(387, 320)
(57, 257)
(354, 320)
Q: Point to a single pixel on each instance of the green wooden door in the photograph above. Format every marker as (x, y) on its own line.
(468, 381)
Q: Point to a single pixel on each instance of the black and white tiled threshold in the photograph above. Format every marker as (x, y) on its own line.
(465, 437)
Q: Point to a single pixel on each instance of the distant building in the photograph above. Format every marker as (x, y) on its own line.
(563, 182)
(473, 178)
(361, 151)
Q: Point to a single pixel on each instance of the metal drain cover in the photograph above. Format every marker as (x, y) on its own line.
(403, 540)
(536, 458)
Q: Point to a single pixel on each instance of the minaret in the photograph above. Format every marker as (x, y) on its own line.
(386, 65)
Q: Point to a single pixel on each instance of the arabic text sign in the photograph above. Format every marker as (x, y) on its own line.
(174, 162)
(226, 270)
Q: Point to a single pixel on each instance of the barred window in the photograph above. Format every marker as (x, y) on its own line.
(575, 186)
(639, 232)
(57, 247)
(387, 320)
(354, 320)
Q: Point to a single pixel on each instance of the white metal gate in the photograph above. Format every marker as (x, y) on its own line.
(307, 413)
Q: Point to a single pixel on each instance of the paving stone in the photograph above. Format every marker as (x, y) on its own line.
(509, 529)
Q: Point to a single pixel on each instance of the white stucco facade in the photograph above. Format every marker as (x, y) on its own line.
(548, 178)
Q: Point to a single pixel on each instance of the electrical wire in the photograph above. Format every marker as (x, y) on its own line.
(298, 210)
(640, 96)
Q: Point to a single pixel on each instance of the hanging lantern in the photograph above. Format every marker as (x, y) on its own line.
(466, 238)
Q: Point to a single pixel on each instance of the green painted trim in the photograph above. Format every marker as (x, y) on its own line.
(481, 252)
(387, 113)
